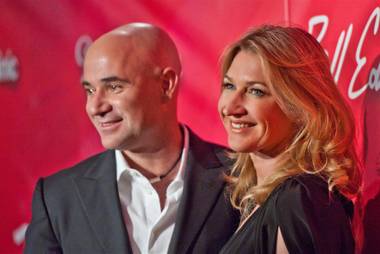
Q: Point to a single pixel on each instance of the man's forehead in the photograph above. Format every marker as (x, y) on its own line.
(118, 47)
(113, 59)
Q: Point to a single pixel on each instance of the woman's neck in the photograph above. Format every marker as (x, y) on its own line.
(265, 165)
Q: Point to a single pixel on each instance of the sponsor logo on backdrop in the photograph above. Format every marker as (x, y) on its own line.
(81, 47)
(9, 63)
(374, 76)
(370, 28)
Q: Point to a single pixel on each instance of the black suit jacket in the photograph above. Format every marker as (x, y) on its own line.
(78, 210)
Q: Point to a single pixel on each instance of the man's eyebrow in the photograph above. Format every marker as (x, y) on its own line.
(113, 78)
(106, 80)
(85, 83)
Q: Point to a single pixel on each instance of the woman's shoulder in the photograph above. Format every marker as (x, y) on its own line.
(307, 185)
(309, 192)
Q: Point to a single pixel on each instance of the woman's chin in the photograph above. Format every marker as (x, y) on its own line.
(241, 148)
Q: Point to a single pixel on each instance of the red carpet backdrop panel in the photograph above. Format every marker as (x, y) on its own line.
(44, 127)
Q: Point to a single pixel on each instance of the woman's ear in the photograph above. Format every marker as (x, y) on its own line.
(169, 82)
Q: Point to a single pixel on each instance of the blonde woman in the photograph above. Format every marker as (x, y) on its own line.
(293, 141)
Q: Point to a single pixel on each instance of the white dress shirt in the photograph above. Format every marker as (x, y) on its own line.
(149, 228)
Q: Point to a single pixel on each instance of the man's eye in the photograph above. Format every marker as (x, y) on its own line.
(257, 92)
(227, 86)
(89, 91)
(115, 87)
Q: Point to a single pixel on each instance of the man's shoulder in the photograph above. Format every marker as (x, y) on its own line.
(80, 168)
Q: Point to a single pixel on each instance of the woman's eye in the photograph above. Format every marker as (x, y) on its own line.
(228, 86)
(257, 92)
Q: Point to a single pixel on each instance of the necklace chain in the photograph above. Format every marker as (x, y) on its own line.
(159, 178)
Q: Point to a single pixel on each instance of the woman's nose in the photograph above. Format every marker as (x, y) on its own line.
(234, 105)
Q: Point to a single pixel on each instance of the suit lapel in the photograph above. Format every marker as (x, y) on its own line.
(98, 194)
(203, 185)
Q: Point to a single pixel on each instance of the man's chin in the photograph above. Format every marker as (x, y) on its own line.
(110, 144)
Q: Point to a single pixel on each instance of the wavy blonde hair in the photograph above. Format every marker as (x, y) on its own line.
(297, 69)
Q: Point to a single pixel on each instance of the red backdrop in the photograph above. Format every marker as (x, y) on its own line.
(43, 123)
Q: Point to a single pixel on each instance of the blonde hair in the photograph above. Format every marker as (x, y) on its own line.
(299, 78)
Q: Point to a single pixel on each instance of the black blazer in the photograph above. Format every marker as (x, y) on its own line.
(78, 210)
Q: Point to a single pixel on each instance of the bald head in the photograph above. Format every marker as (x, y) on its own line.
(150, 44)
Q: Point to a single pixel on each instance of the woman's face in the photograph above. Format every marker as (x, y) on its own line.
(252, 118)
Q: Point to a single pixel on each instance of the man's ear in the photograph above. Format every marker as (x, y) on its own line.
(169, 82)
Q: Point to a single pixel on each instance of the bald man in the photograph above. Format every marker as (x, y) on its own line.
(158, 188)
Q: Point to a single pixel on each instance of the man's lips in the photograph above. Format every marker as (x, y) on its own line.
(109, 124)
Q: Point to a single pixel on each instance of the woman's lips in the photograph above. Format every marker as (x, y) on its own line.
(241, 126)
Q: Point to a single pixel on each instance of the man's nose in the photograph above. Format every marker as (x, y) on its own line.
(98, 104)
(235, 105)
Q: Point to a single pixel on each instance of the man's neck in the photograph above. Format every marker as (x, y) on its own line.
(158, 161)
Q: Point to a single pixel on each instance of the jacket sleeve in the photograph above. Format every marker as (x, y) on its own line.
(40, 237)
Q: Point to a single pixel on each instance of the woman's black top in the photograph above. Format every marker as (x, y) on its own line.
(311, 219)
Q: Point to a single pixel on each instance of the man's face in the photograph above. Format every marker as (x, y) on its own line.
(123, 95)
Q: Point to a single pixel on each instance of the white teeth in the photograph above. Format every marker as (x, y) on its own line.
(239, 125)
